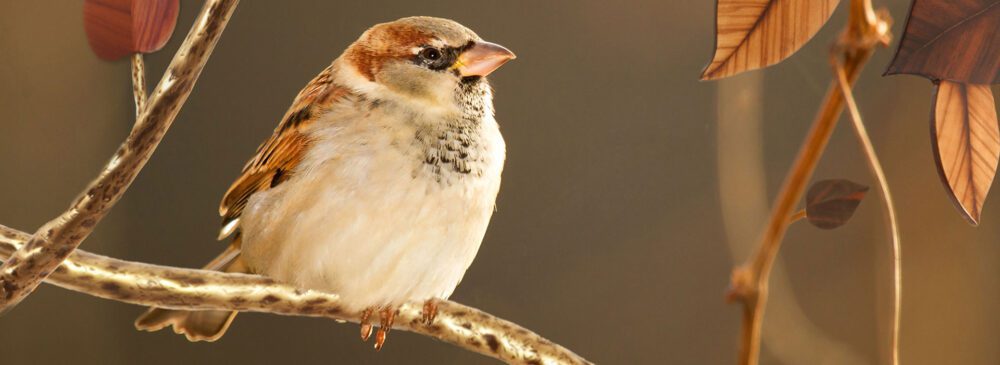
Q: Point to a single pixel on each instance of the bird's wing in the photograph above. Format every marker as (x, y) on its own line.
(278, 156)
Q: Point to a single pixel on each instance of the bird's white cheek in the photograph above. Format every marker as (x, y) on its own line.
(421, 87)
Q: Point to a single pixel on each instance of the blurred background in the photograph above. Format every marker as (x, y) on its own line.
(630, 189)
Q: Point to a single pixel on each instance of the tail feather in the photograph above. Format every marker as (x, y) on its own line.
(197, 325)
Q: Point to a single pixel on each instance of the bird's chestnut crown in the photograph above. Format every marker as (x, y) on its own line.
(424, 56)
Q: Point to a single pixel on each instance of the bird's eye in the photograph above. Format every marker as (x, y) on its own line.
(431, 54)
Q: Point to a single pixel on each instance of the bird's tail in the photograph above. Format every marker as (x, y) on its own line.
(197, 325)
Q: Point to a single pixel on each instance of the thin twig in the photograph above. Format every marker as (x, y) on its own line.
(189, 289)
(138, 82)
(742, 196)
(54, 241)
(876, 167)
(797, 216)
(749, 281)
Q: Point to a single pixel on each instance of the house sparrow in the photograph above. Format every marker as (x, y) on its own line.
(378, 183)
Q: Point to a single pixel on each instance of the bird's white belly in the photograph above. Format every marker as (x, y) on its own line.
(374, 228)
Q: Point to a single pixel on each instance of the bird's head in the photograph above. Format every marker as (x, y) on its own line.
(423, 58)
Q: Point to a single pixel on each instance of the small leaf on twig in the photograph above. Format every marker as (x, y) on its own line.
(117, 28)
(955, 40)
(966, 140)
(752, 34)
(831, 203)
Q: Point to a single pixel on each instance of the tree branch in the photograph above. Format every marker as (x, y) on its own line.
(189, 289)
(54, 241)
(139, 82)
(749, 282)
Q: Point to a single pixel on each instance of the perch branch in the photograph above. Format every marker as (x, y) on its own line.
(57, 239)
(749, 281)
(876, 167)
(189, 289)
(138, 82)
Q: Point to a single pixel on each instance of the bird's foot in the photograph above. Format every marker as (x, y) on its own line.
(388, 315)
(430, 311)
(366, 324)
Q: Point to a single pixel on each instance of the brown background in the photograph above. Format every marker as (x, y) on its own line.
(609, 237)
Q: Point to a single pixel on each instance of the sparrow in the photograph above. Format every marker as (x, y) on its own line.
(378, 183)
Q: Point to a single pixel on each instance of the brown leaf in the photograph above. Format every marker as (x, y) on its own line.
(954, 40)
(752, 34)
(831, 203)
(966, 140)
(117, 28)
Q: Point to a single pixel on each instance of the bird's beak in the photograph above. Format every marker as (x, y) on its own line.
(482, 59)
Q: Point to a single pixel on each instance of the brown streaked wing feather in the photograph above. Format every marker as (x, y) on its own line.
(277, 157)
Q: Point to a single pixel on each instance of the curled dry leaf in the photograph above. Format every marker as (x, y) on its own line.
(956, 40)
(752, 34)
(966, 140)
(118, 28)
(831, 203)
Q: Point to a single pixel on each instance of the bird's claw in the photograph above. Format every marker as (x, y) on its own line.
(366, 325)
(388, 315)
(430, 311)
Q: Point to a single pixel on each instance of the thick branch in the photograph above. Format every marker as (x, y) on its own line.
(54, 241)
(189, 289)
(750, 281)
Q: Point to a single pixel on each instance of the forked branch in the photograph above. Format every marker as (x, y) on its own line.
(55, 240)
(749, 283)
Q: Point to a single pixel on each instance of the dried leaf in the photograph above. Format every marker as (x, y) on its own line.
(118, 28)
(966, 140)
(752, 34)
(956, 40)
(831, 203)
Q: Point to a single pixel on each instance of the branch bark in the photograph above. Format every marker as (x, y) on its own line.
(749, 282)
(57, 239)
(139, 83)
(189, 289)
